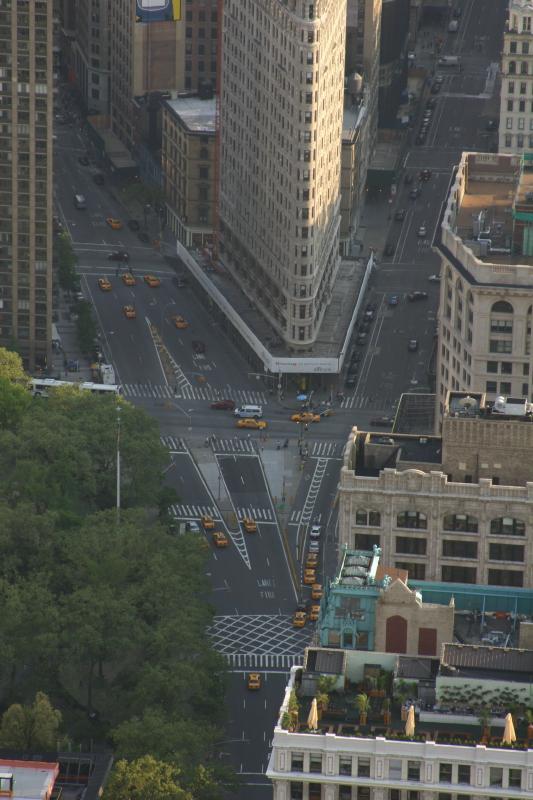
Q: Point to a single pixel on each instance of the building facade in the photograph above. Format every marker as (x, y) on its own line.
(281, 126)
(516, 98)
(393, 59)
(456, 509)
(486, 293)
(188, 166)
(26, 161)
(92, 54)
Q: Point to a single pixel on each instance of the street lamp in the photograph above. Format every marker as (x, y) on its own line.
(118, 466)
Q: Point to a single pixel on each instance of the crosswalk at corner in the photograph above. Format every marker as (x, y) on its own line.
(181, 511)
(174, 444)
(326, 449)
(378, 403)
(262, 661)
(258, 514)
(235, 445)
(208, 393)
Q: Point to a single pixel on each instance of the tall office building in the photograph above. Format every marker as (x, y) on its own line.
(26, 105)
(486, 293)
(91, 54)
(281, 128)
(516, 98)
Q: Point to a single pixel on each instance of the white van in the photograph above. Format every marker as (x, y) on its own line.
(453, 27)
(247, 412)
(449, 61)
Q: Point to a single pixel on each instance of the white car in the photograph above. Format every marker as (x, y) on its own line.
(434, 278)
(193, 526)
(422, 231)
(314, 546)
(315, 532)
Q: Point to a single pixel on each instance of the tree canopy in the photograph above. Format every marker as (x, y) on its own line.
(32, 727)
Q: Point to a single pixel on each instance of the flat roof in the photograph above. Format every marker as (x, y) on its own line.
(508, 663)
(32, 780)
(415, 414)
(198, 115)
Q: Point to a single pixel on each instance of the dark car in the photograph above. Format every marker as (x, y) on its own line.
(350, 381)
(413, 296)
(381, 422)
(223, 405)
(84, 161)
(400, 215)
(425, 175)
(435, 87)
(119, 255)
(389, 249)
(143, 237)
(179, 281)
(198, 346)
(353, 369)
(457, 12)
(362, 338)
(431, 103)
(408, 178)
(364, 327)
(420, 139)
(393, 300)
(369, 314)
(99, 179)
(412, 345)
(414, 193)
(133, 225)
(355, 358)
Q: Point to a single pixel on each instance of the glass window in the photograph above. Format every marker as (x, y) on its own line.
(406, 544)
(458, 574)
(445, 773)
(315, 791)
(496, 776)
(506, 577)
(463, 773)
(366, 541)
(395, 769)
(507, 526)
(492, 366)
(458, 549)
(515, 778)
(417, 572)
(363, 768)
(297, 762)
(411, 519)
(315, 762)
(345, 765)
(345, 793)
(297, 790)
(460, 522)
(413, 770)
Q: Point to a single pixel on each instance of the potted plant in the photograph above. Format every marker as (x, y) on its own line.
(294, 711)
(362, 702)
(529, 720)
(484, 721)
(385, 710)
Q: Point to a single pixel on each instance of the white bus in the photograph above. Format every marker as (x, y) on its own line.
(41, 386)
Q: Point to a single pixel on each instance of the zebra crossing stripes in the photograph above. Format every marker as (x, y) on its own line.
(326, 449)
(235, 445)
(182, 511)
(189, 392)
(378, 403)
(262, 661)
(296, 517)
(258, 514)
(174, 444)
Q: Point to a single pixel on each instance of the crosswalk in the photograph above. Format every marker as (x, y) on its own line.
(296, 517)
(326, 449)
(184, 511)
(259, 514)
(174, 443)
(188, 392)
(233, 446)
(262, 661)
(375, 403)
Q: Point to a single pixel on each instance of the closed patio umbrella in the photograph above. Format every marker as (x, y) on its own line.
(509, 735)
(410, 723)
(312, 719)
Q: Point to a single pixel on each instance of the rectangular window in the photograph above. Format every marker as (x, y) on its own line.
(508, 140)
(445, 773)
(405, 544)
(509, 105)
(413, 770)
(515, 778)
(492, 366)
(315, 762)
(491, 386)
(509, 123)
(507, 367)
(510, 87)
(457, 574)
(500, 346)
(505, 387)
(297, 790)
(505, 577)
(345, 793)
(463, 773)
(363, 768)
(345, 765)
(506, 552)
(521, 124)
(366, 541)
(452, 548)
(395, 769)
(297, 762)
(496, 776)
(417, 572)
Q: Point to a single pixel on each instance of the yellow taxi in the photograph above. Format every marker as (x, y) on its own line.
(180, 323)
(254, 424)
(316, 591)
(104, 284)
(313, 614)
(220, 539)
(299, 619)
(249, 525)
(254, 681)
(128, 279)
(305, 416)
(309, 577)
(208, 523)
(311, 562)
(129, 312)
(114, 224)
(152, 281)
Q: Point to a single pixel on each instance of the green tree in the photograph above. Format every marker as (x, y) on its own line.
(66, 263)
(14, 402)
(85, 327)
(145, 779)
(11, 367)
(34, 727)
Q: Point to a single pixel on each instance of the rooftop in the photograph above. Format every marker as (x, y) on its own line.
(198, 115)
(473, 661)
(31, 780)
(415, 414)
(464, 405)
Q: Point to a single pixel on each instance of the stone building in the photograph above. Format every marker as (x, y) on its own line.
(456, 508)
(516, 106)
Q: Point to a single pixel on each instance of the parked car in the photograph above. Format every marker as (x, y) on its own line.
(400, 215)
(350, 381)
(412, 345)
(362, 339)
(390, 249)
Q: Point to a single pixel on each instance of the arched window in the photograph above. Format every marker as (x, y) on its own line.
(512, 67)
(502, 307)
(507, 526)
(460, 522)
(411, 519)
(365, 516)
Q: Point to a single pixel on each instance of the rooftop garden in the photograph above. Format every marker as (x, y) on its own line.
(380, 706)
